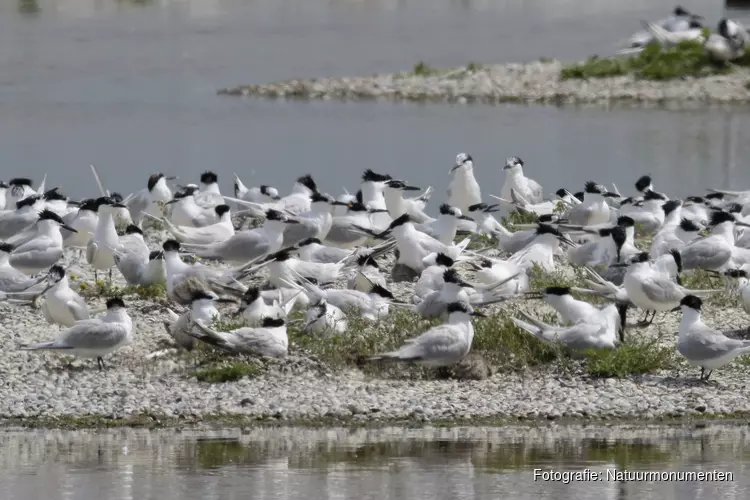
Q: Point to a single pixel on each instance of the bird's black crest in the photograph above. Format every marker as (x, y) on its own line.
(155, 254)
(625, 221)
(221, 209)
(317, 197)
(54, 194)
(358, 198)
(50, 215)
(57, 271)
(400, 221)
(515, 160)
(593, 187)
(201, 295)
(457, 307)
(116, 197)
(695, 199)
(619, 236)
(89, 204)
(382, 291)
(281, 255)
(478, 206)
(547, 229)
(579, 195)
(734, 208)
(451, 276)
(446, 209)
(6, 247)
(309, 241)
(274, 215)
(562, 192)
(370, 176)
(611, 195)
(20, 181)
(680, 11)
(115, 302)
(557, 290)
(688, 225)
(677, 259)
(641, 257)
(171, 246)
(396, 184)
(719, 217)
(653, 195)
(251, 294)
(670, 206)
(692, 302)
(133, 229)
(642, 183)
(272, 322)
(209, 177)
(547, 218)
(443, 260)
(308, 182)
(367, 260)
(714, 196)
(153, 179)
(736, 273)
(28, 201)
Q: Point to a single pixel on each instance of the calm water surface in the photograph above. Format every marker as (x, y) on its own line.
(471, 463)
(130, 86)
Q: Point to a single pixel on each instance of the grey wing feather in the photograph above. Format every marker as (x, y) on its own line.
(36, 258)
(78, 308)
(294, 233)
(243, 247)
(258, 341)
(91, 250)
(93, 334)
(662, 290)
(704, 255)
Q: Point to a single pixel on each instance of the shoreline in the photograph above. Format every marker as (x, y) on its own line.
(531, 83)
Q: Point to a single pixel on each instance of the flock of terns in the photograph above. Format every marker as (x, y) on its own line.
(325, 256)
(726, 44)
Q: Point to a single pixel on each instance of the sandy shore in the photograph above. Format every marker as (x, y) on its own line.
(38, 389)
(536, 82)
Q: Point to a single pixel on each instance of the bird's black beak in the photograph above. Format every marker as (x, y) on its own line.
(171, 178)
(455, 167)
(340, 204)
(291, 221)
(69, 228)
(466, 217)
(464, 284)
(378, 211)
(173, 200)
(411, 188)
(478, 314)
(676, 309)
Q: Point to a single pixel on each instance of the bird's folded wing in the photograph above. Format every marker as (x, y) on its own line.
(660, 289)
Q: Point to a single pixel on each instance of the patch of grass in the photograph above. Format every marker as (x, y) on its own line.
(107, 290)
(473, 67)
(479, 241)
(227, 324)
(701, 280)
(635, 357)
(424, 69)
(687, 59)
(545, 60)
(518, 218)
(228, 372)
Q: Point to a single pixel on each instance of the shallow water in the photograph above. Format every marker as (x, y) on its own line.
(131, 86)
(472, 463)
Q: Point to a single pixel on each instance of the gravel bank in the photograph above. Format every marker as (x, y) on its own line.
(38, 389)
(536, 82)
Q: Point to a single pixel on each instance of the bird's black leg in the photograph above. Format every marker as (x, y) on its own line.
(708, 374)
(96, 276)
(110, 275)
(703, 372)
(100, 363)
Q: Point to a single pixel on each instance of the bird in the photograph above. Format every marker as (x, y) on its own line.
(702, 345)
(19, 189)
(728, 43)
(397, 205)
(260, 194)
(528, 188)
(141, 270)
(314, 223)
(62, 305)
(93, 338)
(325, 318)
(185, 212)
(254, 308)
(268, 340)
(148, 199)
(217, 232)
(570, 309)
(209, 194)
(442, 345)
(100, 249)
(84, 222)
(593, 210)
(313, 250)
(13, 222)
(463, 190)
(445, 226)
(44, 249)
(680, 20)
(202, 310)
(11, 279)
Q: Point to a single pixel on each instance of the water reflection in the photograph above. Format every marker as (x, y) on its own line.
(410, 463)
(28, 7)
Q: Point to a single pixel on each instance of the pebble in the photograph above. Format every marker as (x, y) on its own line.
(535, 82)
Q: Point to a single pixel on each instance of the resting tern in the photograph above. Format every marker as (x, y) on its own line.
(218, 232)
(442, 345)
(368, 267)
(254, 309)
(11, 279)
(313, 250)
(142, 270)
(260, 194)
(529, 189)
(728, 43)
(485, 222)
(269, 339)
(371, 305)
(315, 223)
(464, 189)
(209, 194)
(62, 305)
(296, 202)
(283, 269)
(325, 318)
(202, 309)
(542, 249)
(602, 332)
(445, 226)
(680, 20)
(44, 249)
(346, 230)
(94, 338)
(148, 199)
(491, 271)
(248, 244)
(13, 222)
(702, 345)
(397, 205)
(570, 309)
(185, 212)
(431, 278)
(594, 208)
(716, 251)
(649, 214)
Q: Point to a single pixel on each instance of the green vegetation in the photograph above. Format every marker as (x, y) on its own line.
(473, 67)
(519, 218)
(635, 357)
(107, 290)
(424, 69)
(688, 59)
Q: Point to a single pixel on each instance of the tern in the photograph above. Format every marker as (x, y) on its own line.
(20, 189)
(713, 252)
(84, 222)
(529, 189)
(248, 244)
(346, 230)
(442, 345)
(44, 249)
(325, 318)
(100, 249)
(269, 339)
(570, 309)
(742, 286)
(185, 212)
(702, 345)
(593, 210)
(148, 199)
(542, 249)
(463, 191)
(13, 222)
(202, 309)
(371, 305)
(371, 189)
(142, 270)
(260, 194)
(93, 338)
(316, 223)
(368, 267)
(728, 43)
(397, 205)
(11, 279)
(313, 250)
(680, 20)
(218, 232)
(283, 269)
(445, 226)
(209, 194)
(254, 309)
(431, 278)
(62, 305)
(296, 202)
(3, 194)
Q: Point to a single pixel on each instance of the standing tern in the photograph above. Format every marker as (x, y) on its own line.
(248, 244)
(742, 286)
(84, 222)
(463, 191)
(529, 189)
(442, 345)
(702, 345)
(397, 205)
(94, 338)
(371, 189)
(149, 198)
(312, 224)
(445, 226)
(209, 194)
(100, 249)
(44, 249)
